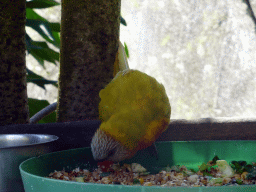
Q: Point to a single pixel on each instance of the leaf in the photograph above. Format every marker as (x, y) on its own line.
(252, 174)
(30, 44)
(239, 181)
(45, 54)
(215, 158)
(136, 181)
(49, 31)
(203, 167)
(40, 51)
(31, 14)
(241, 166)
(40, 4)
(56, 36)
(126, 50)
(249, 168)
(38, 80)
(45, 32)
(242, 163)
(36, 105)
(123, 21)
(54, 26)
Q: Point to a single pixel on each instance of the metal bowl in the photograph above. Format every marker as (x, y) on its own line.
(14, 149)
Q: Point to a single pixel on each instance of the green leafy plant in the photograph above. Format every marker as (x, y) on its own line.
(206, 168)
(38, 80)
(40, 50)
(49, 31)
(241, 166)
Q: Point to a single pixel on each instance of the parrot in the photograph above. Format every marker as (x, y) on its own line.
(134, 110)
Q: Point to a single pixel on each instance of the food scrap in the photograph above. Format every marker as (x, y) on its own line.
(213, 173)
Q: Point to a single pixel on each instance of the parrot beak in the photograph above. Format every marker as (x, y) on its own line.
(105, 165)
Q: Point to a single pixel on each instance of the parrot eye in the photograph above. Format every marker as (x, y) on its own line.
(111, 152)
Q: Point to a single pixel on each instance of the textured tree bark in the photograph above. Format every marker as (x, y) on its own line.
(13, 91)
(89, 42)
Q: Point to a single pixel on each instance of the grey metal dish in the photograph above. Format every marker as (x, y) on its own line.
(14, 149)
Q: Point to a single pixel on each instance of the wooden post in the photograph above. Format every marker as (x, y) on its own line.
(13, 86)
(89, 42)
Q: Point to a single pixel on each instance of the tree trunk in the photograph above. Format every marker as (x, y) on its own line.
(89, 42)
(13, 91)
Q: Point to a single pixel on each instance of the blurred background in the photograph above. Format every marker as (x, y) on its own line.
(203, 52)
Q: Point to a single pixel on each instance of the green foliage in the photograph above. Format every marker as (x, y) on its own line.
(205, 168)
(38, 80)
(49, 31)
(39, 4)
(241, 166)
(252, 174)
(215, 159)
(40, 50)
(126, 50)
(123, 21)
(36, 105)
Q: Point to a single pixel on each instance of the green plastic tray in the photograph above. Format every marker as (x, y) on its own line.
(190, 154)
